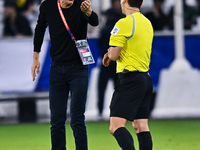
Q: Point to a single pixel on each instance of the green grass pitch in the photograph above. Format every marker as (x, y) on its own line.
(182, 134)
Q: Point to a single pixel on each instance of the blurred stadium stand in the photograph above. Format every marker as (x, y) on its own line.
(1, 16)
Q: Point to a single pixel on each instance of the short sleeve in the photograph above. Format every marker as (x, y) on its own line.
(121, 31)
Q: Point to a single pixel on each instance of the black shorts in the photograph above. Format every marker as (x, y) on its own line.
(132, 96)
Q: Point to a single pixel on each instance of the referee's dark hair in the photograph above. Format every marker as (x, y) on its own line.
(135, 3)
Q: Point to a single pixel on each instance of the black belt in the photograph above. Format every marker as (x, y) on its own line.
(128, 73)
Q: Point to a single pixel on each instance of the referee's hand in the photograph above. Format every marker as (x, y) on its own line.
(106, 60)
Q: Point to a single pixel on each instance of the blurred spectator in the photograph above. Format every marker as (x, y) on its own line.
(157, 17)
(198, 3)
(39, 1)
(112, 16)
(190, 16)
(26, 7)
(14, 23)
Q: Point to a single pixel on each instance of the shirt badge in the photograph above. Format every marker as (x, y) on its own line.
(115, 30)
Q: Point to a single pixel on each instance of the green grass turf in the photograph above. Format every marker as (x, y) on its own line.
(167, 135)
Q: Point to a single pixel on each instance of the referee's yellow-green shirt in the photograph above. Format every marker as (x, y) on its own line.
(134, 34)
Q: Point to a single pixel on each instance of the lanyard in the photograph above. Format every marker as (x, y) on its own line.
(64, 20)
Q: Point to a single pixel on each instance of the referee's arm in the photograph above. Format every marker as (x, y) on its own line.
(112, 55)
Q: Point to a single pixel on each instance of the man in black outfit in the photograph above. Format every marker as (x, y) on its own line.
(112, 15)
(157, 16)
(15, 24)
(67, 71)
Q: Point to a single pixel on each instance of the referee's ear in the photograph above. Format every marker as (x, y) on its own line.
(123, 1)
(142, 4)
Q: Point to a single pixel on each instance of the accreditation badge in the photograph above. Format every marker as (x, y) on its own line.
(84, 52)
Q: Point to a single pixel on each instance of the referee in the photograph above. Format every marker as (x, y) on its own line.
(130, 46)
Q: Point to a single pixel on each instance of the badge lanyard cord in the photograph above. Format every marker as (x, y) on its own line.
(64, 20)
(72, 36)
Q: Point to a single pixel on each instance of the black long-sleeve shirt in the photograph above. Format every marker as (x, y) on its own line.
(63, 50)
